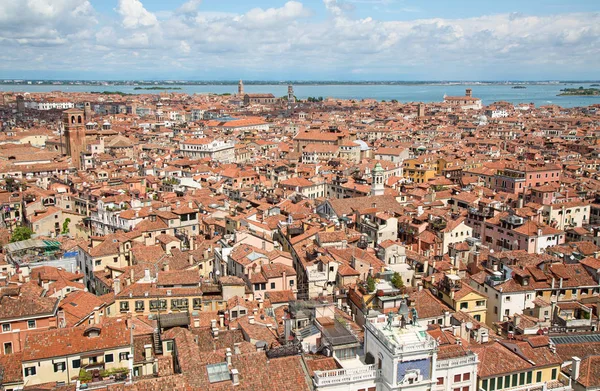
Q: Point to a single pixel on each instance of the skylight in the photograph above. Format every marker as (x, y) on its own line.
(218, 372)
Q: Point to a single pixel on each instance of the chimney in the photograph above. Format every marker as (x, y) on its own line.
(215, 332)
(560, 283)
(148, 351)
(260, 303)
(117, 286)
(235, 377)
(575, 367)
(213, 323)
(165, 267)
(191, 259)
(236, 348)
(192, 243)
(147, 275)
(196, 321)
(432, 279)
(221, 321)
(228, 356)
(96, 315)
(251, 319)
(446, 318)
(131, 276)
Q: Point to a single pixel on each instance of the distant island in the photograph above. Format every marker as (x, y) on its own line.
(519, 87)
(580, 91)
(157, 88)
(595, 85)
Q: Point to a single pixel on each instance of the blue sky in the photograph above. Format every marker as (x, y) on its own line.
(300, 39)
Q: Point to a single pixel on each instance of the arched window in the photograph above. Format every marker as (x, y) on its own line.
(72, 119)
(79, 119)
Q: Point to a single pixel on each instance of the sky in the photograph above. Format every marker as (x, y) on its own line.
(300, 39)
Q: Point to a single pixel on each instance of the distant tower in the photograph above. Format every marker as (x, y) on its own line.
(469, 92)
(20, 104)
(87, 110)
(377, 187)
(421, 108)
(291, 97)
(240, 88)
(73, 122)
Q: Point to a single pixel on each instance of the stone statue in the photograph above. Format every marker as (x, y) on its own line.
(415, 317)
(390, 319)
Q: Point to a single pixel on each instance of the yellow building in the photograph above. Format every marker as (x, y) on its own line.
(520, 364)
(421, 169)
(459, 296)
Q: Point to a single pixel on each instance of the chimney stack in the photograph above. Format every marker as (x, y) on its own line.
(251, 319)
(117, 286)
(228, 356)
(575, 367)
(235, 377)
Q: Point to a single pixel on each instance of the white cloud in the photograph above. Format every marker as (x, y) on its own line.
(66, 33)
(135, 15)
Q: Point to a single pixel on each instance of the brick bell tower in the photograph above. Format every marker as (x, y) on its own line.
(74, 125)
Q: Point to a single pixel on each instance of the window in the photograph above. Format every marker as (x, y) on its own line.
(515, 380)
(506, 381)
(5, 327)
(291, 282)
(139, 305)
(272, 285)
(263, 286)
(8, 348)
(31, 324)
(499, 382)
(440, 381)
(59, 366)
(123, 356)
(521, 378)
(466, 376)
(529, 377)
(554, 373)
(464, 306)
(492, 384)
(169, 346)
(109, 358)
(457, 378)
(197, 303)
(538, 377)
(124, 306)
(29, 371)
(76, 363)
(480, 303)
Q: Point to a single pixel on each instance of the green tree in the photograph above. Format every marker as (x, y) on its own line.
(21, 233)
(397, 281)
(65, 227)
(370, 284)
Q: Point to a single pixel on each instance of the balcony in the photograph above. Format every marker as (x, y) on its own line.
(342, 376)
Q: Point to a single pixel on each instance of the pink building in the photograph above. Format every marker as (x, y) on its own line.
(517, 179)
(24, 309)
(272, 277)
(511, 232)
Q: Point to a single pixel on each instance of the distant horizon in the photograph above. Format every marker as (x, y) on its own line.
(320, 81)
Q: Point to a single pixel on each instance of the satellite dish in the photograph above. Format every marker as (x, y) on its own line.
(447, 175)
(491, 251)
(469, 325)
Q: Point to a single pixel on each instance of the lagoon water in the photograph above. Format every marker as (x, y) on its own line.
(539, 94)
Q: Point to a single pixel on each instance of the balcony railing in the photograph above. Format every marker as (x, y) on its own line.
(428, 344)
(341, 376)
(452, 363)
